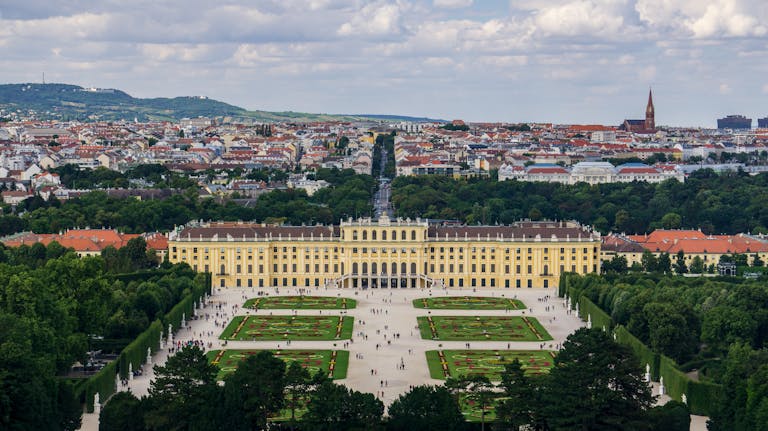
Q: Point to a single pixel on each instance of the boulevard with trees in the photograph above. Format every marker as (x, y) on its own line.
(727, 203)
(56, 307)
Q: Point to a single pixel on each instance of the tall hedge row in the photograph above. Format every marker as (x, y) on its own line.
(599, 317)
(135, 353)
(703, 397)
(645, 355)
(102, 382)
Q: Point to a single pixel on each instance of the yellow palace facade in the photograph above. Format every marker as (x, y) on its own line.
(386, 253)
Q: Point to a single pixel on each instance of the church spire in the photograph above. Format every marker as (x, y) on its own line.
(650, 115)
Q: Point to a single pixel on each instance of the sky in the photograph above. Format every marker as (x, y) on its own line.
(561, 61)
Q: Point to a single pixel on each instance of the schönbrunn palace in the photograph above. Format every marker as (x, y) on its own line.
(405, 253)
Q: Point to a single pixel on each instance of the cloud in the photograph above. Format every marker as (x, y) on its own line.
(375, 19)
(710, 19)
(452, 4)
(724, 89)
(580, 17)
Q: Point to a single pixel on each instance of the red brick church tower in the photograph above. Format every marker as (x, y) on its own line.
(650, 116)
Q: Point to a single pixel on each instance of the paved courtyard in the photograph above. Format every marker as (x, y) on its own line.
(385, 335)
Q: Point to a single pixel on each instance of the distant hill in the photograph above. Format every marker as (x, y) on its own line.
(72, 102)
(401, 118)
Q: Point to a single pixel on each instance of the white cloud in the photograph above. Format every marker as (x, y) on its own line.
(724, 89)
(765, 89)
(452, 4)
(580, 17)
(706, 19)
(377, 19)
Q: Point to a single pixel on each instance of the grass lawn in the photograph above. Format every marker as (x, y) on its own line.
(482, 328)
(272, 328)
(312, 360)
(490, 363)
(300, 303)
(469, 303)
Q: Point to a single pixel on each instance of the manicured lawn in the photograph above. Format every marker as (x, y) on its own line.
(490, 363)
(482, 328)
(312, 360)
(472, 411)
(271, 328)
(469, 303)
(300, 303)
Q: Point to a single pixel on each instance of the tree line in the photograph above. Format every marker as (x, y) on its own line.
(716, 326)
(727, 203)
(349, 195)
(55, 307)
(595, 384)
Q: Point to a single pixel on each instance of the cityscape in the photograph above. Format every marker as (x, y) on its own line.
(384, 215)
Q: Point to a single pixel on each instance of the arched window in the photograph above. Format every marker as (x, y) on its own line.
(365, 235)
(222, 270)
(394, 268)
(342, 268)
(402, 235)
(546, 269)
(413, 235)
(365, 268)
(383, 268)
(373, 235)
(354, 235)
(403, 268)
(413, 268)
(383, 235)
(394, 235)
(354, 268)
(373, 268)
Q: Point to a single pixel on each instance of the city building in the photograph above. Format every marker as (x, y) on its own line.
(709, 248)
(734, 122)
(591, 173)
(89, 242)
(367, 253)
(762, 123)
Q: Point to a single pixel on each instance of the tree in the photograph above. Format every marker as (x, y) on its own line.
(672, 416)
(122, 412)
(257, 388)
(334, 407)
(649, 261)
(672, 329)
(297, 379)
(595, 384)
(680, 267)
(181, 390)
(518, 404)
(480, 390)
(428, 408)
(664, 263)
(617, 264)
(697, 265)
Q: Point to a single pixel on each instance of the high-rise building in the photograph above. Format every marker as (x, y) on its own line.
(762, 123)
(734, 122)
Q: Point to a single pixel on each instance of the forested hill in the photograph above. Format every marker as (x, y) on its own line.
(71, 102)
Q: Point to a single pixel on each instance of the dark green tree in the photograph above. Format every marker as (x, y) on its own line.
(259, 386)
(596, 384)
(428, 408)
(297, 381)
(518, 405)
(182, 390)
(334, 407)
(680, 267)
(122, 412)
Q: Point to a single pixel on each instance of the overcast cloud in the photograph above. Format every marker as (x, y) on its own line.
(565, 61)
